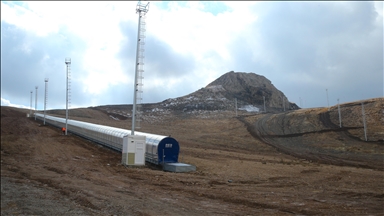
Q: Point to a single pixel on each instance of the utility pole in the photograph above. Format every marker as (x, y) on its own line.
(236, 106)
(264, 104)
(45, 97)
(365, 125)
(36, 102)
(338, 107)
(30, 110)
(142, 10)
(327, 99)
(301, 106)
(68, 63)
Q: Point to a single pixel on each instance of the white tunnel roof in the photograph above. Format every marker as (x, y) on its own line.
(152, 139)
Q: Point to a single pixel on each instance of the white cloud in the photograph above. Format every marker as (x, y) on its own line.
(190, 29)
(5, 102)
(96, 23)
(207, 37)
(189, 44)
(21, 17)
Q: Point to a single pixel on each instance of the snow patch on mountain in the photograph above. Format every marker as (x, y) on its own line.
(250, 108)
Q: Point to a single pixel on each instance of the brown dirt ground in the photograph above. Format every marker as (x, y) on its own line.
(239, 171)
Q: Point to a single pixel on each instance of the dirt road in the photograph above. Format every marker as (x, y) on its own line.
(313, 135)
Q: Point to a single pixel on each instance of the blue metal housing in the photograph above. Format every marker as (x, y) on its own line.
(159, 149)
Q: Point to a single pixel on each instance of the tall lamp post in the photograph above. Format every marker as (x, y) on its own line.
(68, 63)
(36, 102)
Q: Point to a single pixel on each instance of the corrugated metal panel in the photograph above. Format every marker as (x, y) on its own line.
(113, 138)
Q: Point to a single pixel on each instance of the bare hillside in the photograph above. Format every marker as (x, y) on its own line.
(242, 165)
(315, 134)
(247, 91)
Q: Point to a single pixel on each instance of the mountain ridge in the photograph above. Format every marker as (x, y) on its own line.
(248, 89)
(233, 91)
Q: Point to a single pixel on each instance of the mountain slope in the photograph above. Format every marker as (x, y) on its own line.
(249, 89)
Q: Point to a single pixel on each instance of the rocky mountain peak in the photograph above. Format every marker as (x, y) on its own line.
(238, 81)
(249, 89)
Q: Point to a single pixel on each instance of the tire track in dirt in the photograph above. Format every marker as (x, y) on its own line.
(325, 119)
(269, 131)
(70, 193)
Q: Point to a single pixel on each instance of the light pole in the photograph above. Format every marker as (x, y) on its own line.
(327, 98)
(36, 102)
(301, 106)
(45, 97)
(364, 123)
(68, 63)
(264, 104)
(236, 106)
(338, 107)
(30, 110)
(142, 10)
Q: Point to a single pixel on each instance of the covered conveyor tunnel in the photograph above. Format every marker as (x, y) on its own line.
(159, 150)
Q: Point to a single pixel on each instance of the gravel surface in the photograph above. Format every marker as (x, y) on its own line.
(238, 173)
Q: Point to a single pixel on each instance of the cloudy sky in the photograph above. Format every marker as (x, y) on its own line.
(304, 48)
